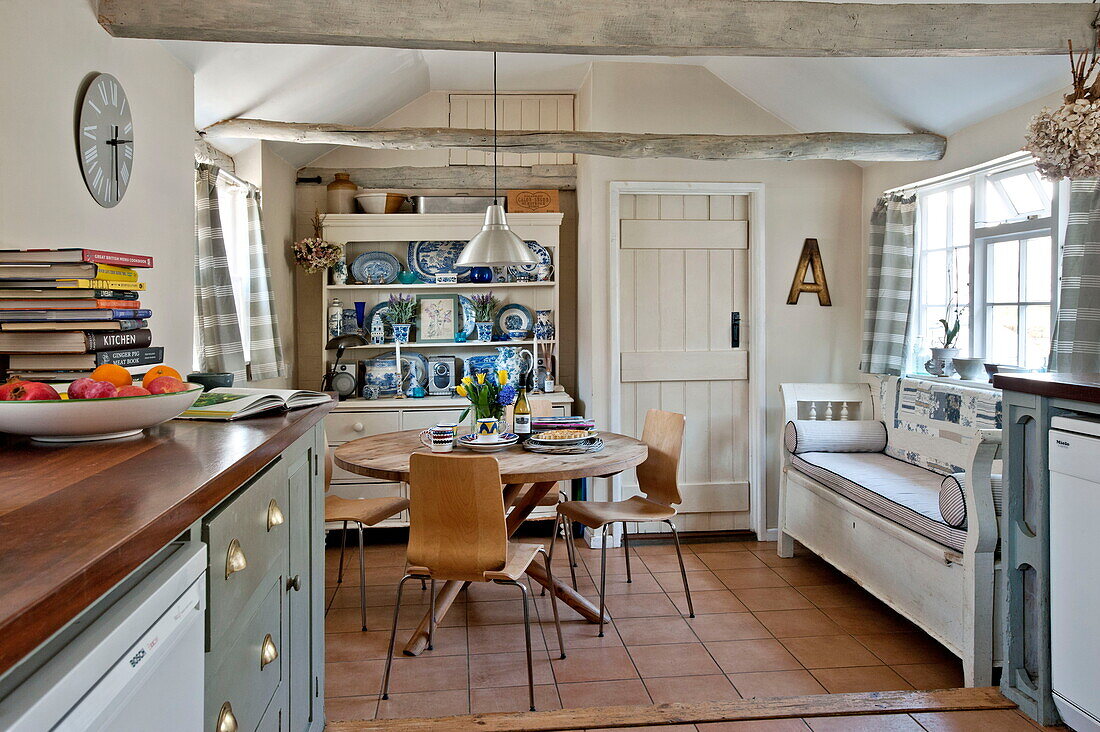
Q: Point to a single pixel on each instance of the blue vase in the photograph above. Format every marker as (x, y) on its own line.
(485, 331)
(481, 275)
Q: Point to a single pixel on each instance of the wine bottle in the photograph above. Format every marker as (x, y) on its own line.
(521, 419)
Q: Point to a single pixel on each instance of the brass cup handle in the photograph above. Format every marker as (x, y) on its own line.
(227, 721)
(234, 558)
(268, 651)
(294, 583)
(275, 516)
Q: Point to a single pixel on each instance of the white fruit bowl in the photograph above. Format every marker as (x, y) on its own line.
(80, 420)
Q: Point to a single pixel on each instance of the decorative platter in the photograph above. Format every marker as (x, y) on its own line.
(417, 365)
(468, 318)
(431, 258)
(533, 270)
(379, 268)
(514, 317)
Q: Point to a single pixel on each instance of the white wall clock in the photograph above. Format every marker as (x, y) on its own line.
(105, 140)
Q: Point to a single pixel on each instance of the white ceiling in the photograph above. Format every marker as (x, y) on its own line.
(364, 85)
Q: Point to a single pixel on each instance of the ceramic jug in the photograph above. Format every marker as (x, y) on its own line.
(516, 361)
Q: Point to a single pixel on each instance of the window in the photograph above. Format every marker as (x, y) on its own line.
(234, 214)
(986, 250)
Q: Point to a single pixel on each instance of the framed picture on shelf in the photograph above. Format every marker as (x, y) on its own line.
(439, 317)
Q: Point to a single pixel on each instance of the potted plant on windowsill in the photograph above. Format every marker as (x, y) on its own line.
(940, 363)
(485, 309)
(401, 312)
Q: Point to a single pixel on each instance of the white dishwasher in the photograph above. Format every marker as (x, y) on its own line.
(136, 668)
(1074, 570)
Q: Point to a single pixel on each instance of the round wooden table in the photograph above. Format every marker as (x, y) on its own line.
(386, 457)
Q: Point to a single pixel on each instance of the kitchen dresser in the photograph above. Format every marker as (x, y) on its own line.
(248, 494)
(395, 234)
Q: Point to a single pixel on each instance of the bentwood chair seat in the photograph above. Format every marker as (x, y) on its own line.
(519, 558)
(597, 514)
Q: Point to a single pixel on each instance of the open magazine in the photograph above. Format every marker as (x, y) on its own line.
(230, 402)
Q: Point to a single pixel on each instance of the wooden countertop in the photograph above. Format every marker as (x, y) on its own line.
(76, 519)
(1077, 387)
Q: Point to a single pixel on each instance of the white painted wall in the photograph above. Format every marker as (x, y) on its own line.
(47, 48)
(821, 199)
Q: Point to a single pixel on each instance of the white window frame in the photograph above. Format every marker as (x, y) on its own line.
(981, 236)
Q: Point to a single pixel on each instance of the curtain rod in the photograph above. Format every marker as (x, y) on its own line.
(992, 164)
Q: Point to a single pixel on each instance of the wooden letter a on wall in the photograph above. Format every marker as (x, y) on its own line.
(811, 256)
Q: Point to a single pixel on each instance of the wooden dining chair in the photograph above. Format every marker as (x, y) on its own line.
(362, 512)
(657, 479)
(457, 531)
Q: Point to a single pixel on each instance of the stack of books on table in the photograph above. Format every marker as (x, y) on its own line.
(63, 312)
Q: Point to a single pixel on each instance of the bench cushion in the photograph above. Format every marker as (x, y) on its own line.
(903, 493)
(808, 435)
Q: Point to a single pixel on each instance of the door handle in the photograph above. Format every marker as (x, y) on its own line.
(735, 330)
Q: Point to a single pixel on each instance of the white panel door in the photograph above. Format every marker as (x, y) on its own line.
(684, 262)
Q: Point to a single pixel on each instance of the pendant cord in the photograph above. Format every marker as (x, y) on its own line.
(496, 160)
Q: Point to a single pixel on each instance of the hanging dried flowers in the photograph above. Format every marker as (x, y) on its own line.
(314, 254)
(1066, 141)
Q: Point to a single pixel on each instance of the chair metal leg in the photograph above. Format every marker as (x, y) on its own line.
(527, 630)
(626, 551)
(683, 572)
(572, 551)
(553, 602)
(431, 619)
(558, 526)
(393, 638)
(343, 542)
(362, 580)
(603, 574)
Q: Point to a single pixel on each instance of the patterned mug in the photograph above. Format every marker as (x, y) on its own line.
(488, 430)
(440, 438)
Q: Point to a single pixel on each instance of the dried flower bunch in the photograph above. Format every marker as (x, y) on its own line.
(314, 254)
(1066, 141)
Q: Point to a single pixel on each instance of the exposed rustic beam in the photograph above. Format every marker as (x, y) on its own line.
(810, 146)
(651, 27)
(460, 177)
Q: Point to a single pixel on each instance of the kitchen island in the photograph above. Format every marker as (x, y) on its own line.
(78, 522)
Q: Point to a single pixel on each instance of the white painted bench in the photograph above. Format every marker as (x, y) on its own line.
(948, 593)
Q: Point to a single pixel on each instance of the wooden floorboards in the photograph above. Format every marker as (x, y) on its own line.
(657, 715)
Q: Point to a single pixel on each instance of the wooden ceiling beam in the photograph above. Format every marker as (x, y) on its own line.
(620, 27)
(808, 146)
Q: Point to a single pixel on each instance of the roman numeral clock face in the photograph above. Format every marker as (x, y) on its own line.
(105, 140)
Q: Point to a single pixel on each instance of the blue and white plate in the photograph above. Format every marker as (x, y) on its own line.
(383, 309)
(520, 271)
(514, 317)
(377, 267)
(416, 364)
(431, 258)
(468, 319)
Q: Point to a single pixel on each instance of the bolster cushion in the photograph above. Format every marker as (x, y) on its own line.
(953, 498)
(809, 435)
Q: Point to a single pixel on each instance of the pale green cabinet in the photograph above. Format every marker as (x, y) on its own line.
(265, 618)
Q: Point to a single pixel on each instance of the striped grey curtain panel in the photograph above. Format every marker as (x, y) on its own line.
(1076, 342)
(892, 245)
(218, 337)
(266, 351)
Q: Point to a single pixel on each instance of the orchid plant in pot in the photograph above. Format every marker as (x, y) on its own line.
(401, 312)
(940, 363)
(489, 394)
(485, 309)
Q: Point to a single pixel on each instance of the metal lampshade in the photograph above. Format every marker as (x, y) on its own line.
(495, 244)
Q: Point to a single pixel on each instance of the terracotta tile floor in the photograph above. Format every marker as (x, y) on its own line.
(764, 626)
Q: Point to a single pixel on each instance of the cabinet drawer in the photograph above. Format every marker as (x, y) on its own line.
(419, 419)
(345, 426)
(244, 526)
(234, 673)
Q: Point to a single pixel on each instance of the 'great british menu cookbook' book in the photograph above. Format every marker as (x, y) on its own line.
(91, 256)
(228, 403)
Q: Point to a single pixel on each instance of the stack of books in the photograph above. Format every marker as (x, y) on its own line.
(63, 312)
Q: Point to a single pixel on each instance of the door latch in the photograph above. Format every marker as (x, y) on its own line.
(735, 330)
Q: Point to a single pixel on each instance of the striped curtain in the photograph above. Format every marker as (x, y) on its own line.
(266, 351)
(217, 335)
(886, 331)
(1076, 342)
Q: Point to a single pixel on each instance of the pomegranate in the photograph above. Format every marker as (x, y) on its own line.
(100, 390)
(166, 385)
(5, 390)
(27, 391)
(129, 391)
(79, 388)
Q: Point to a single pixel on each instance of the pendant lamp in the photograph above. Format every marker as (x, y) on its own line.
(495, 244)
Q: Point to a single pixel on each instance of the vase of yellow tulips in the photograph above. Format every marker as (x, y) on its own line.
(489, 394)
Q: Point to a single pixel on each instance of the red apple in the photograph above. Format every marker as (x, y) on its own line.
(100, 390)
(79, 388)
(129, 391)
(32, 391)
(166, 385)
(5, 390)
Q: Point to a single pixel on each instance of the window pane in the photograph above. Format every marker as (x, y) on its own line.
(1023, 194)
(996, 207)
(1003, 329)
(935, 278)
(960, 216)
(935, 229)
(1036, 336)
(962, 275)
(1038, 270)
(1004, 271)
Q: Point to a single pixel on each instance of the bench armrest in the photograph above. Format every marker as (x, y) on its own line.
(981, 515)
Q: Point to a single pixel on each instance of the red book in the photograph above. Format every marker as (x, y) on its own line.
(73, 304)
(91, 256)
